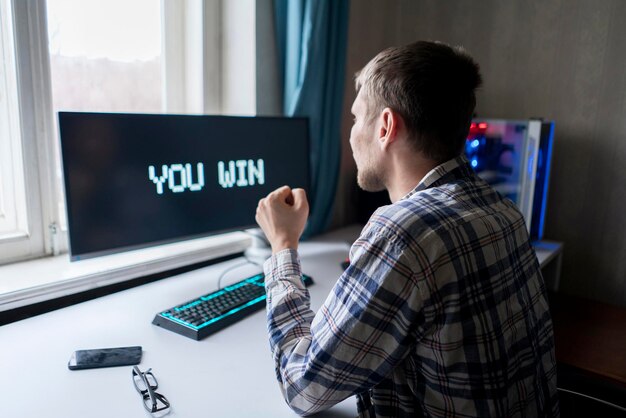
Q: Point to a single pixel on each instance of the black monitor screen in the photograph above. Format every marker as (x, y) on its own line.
(134, 180)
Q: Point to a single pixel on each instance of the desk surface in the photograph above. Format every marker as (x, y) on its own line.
(228, 374)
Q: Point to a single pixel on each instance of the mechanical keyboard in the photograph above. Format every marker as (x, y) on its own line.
(201, 317)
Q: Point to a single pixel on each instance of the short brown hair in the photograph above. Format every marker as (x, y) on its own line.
(432, 86)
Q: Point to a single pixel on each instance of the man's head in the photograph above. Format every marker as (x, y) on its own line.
(429, 87)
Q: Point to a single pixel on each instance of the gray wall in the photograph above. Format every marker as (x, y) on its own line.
(562, 60)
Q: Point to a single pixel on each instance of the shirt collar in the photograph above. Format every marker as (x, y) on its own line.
(438, 173)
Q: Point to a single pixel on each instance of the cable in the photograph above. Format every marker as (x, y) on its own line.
(620, 408)
(231, 268)
(248, 261)
(252, 262)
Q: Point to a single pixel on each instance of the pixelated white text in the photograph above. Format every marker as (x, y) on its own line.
(179, 177)
(241, 173)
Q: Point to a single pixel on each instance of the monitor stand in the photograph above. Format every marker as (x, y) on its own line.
(260, 250)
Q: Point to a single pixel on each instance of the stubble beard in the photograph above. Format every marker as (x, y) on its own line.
(370, 180)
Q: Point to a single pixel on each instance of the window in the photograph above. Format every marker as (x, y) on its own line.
(149, 56)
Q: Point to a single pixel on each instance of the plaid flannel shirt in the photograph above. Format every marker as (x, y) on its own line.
(442, 312)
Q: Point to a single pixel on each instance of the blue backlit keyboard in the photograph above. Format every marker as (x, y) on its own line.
(201, 317)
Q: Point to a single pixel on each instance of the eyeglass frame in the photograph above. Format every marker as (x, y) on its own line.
(149, 392)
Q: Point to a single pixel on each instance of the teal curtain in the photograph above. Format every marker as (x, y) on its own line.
(312, 37)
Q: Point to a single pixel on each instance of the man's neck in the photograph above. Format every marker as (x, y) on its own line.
(406, 173)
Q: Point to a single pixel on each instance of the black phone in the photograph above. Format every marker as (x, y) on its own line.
(104, 357)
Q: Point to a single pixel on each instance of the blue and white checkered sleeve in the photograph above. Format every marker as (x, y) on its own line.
(363, 330)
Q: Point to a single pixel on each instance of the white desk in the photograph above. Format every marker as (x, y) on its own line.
(228, 374)
(550, 256)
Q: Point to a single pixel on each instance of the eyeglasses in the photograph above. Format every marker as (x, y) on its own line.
(146, 384)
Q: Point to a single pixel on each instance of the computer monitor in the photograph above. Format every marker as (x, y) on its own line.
(139, 180)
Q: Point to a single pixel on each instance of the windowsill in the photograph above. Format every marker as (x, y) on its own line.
(29, 282)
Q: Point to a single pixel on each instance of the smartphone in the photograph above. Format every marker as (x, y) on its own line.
(104, 357)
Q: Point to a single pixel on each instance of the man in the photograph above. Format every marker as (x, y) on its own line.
(442, 311)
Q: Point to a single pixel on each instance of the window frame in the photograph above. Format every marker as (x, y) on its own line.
(33, 101)
(13, 222)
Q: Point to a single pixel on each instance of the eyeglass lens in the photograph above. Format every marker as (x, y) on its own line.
(140, 383)
(160, 402)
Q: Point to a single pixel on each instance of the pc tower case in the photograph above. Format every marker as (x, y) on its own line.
(514, 157)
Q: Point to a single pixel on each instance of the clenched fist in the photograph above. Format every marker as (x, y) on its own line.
(282, 216)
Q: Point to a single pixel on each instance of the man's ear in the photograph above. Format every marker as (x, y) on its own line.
(390, 123)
